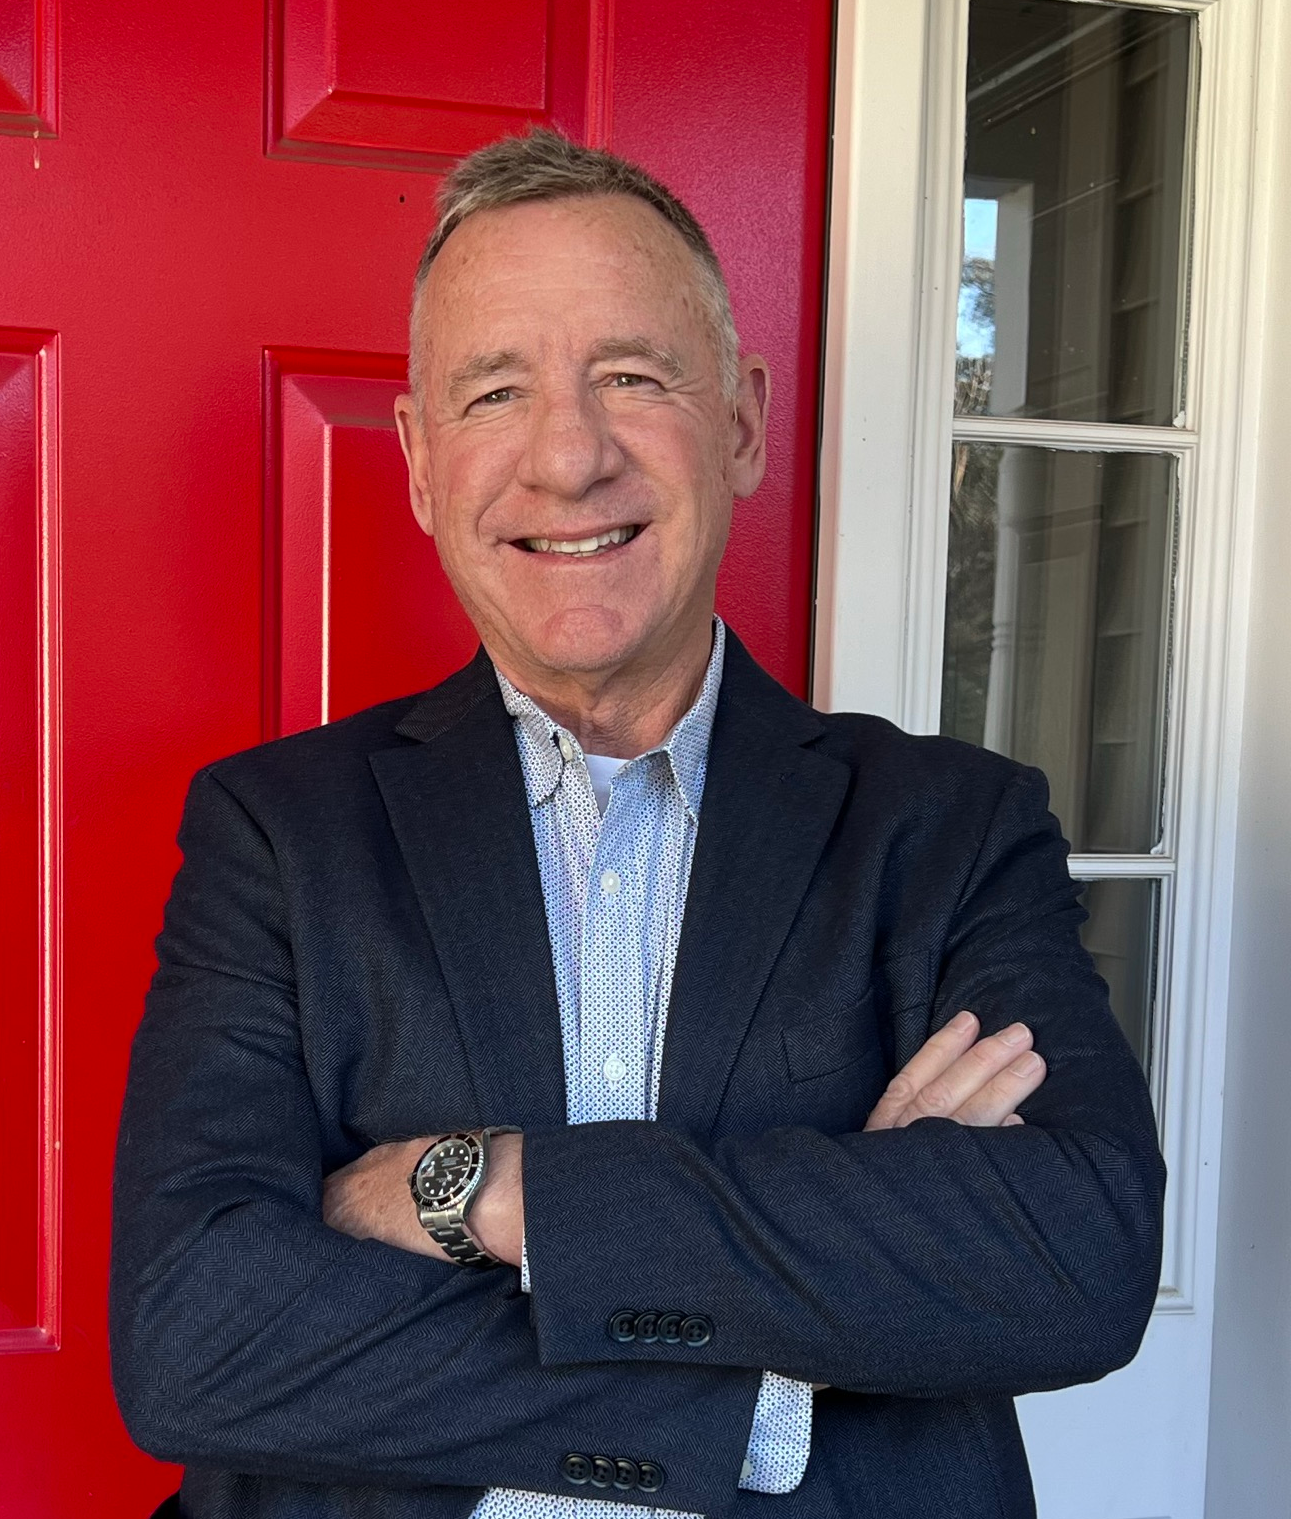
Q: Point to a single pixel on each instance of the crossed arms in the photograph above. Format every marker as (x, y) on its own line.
(955, 1075)
(926, 1259)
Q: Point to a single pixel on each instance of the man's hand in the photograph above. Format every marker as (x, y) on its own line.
(956, 1075)
(370, 1199)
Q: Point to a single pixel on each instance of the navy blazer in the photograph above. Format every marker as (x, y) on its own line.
(356, 950)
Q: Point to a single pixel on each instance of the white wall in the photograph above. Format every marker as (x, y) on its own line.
(1249, 1467)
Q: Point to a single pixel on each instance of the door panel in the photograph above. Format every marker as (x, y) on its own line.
(424, 85)
(28, 918)
(349, 574)
(207, 265)
(28, 58)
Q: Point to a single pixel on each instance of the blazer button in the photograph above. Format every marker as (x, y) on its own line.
(575, 1468)
(623, 1326)
(602, 1471)
(670, 1328)
(696, 1330)
(625, 1475)
(650, 1476)
(647, 1328)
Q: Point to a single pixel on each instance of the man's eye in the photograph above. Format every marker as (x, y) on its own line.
(628, 381)
(494, 397)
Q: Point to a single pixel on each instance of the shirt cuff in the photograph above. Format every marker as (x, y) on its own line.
(524, 1264)
(780, 1440)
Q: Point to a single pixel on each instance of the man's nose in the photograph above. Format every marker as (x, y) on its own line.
(570, 446)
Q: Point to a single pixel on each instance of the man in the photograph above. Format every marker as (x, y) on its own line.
(559, 1092)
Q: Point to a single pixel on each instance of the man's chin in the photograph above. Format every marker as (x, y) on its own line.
(586, 644)
(585, 658)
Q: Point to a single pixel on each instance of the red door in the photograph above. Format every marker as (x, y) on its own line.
(211, 216)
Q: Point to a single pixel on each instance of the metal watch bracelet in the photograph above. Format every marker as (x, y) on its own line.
(449, 1227)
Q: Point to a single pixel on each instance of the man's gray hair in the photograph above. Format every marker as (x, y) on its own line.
(546, 166)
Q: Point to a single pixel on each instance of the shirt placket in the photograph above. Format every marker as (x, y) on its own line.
(612, 990)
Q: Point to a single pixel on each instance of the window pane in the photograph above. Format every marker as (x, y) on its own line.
(1121, 935)
(1057, 598)
(1072, 290)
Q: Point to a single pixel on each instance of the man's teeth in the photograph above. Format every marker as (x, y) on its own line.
(579, 545)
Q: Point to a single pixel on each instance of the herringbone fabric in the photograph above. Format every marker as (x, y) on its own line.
(355, 950)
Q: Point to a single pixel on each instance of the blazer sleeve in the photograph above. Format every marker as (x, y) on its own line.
(248, 1335)
(935, 1260)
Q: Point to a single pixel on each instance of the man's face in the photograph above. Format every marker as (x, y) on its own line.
(575, 458)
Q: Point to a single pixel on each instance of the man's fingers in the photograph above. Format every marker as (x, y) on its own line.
(996, 1103)
(936, 1056)
(956, 1091)
(972, 1081)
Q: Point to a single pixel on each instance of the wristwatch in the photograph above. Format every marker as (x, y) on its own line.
(445, 1182)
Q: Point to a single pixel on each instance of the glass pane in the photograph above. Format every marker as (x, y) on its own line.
(1057, 600)
(1072, 291)
(1121, 935)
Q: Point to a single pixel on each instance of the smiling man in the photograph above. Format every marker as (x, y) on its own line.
(602, 1081)
(579, 423)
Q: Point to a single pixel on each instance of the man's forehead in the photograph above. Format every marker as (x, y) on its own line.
(624, 226)
(517, 263)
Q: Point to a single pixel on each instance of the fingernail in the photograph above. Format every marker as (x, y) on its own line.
(1016, 1033)
(1026, 1065)
(962, 1022)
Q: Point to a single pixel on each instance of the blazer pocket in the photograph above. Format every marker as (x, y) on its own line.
(829, 1042)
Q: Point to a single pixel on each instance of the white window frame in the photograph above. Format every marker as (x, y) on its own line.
(885, 484)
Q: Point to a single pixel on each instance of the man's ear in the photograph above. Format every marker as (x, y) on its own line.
(412, 439)
(752, 399)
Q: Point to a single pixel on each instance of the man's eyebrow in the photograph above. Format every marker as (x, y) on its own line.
(613, 349)
(482, 367)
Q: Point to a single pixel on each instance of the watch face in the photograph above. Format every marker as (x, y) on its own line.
(446, 1174)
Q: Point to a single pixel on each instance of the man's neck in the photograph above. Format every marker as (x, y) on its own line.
(619, 713)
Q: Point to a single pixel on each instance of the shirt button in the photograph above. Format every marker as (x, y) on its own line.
(610, 882)
(615, 1068)
(566, 749)
(746, 1471)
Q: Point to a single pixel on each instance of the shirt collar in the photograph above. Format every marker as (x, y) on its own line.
(542, 742)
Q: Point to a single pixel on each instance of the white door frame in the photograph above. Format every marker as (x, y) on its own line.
(885, 480)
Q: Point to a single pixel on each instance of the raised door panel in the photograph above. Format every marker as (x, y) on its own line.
(29, 904)
(358, 607)
(28, 62)
(351, 84)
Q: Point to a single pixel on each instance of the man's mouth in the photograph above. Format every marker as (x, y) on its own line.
(582, 547)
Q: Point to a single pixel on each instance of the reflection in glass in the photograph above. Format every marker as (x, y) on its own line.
(1121, 935)
(1057, 600)
(1072, 288)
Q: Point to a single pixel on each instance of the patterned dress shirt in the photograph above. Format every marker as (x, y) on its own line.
(615, 890)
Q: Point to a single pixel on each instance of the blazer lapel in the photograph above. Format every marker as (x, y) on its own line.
(457, 805)
(768, 808)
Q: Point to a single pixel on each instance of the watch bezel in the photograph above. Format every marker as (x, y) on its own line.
(465, 1188)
